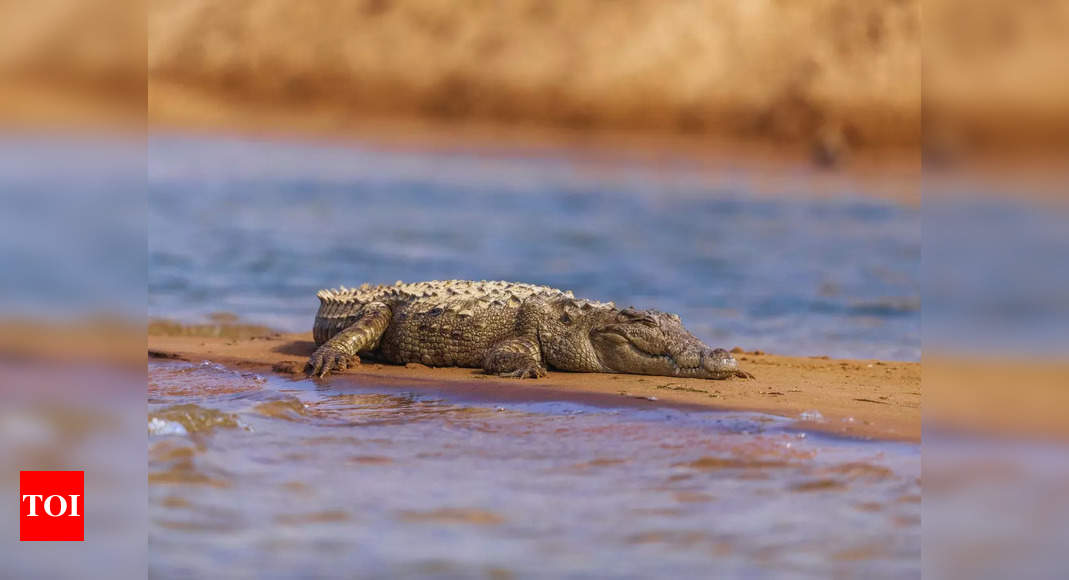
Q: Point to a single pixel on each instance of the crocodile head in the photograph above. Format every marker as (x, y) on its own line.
(604, 338)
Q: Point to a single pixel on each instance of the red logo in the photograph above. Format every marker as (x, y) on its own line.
(51, 506)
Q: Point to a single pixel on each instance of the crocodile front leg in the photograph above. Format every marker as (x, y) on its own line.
(339, 353)
(515, 357)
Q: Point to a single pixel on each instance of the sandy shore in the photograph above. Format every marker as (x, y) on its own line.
(863, 398)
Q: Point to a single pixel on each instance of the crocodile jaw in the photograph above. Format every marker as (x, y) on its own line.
(693, 359)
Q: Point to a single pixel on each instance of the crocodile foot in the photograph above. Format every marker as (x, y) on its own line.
(528, 372)
(327, 359)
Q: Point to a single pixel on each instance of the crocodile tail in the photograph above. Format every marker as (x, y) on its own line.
(337, 310)
(321, 330)
(325, 296)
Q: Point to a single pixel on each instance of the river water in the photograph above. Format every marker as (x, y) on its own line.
(265, 476)
(256, 227)
(294, 478)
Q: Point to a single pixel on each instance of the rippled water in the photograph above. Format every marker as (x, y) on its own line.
(293, 477)
(256, 227)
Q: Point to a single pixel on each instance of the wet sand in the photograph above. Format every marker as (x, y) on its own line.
(859, 398)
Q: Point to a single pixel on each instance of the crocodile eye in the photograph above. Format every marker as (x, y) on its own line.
(632, 316)
(565, 318)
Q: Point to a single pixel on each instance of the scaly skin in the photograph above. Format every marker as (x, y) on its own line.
(510, 329)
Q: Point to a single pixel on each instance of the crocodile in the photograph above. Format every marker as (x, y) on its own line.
(506, 328)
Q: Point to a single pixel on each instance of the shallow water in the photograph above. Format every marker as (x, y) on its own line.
(256, 227)
(294, 477)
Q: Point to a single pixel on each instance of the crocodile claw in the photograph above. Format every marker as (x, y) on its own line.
(531, 372)
(326, 359)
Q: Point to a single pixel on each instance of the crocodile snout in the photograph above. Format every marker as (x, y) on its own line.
(719, 361)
